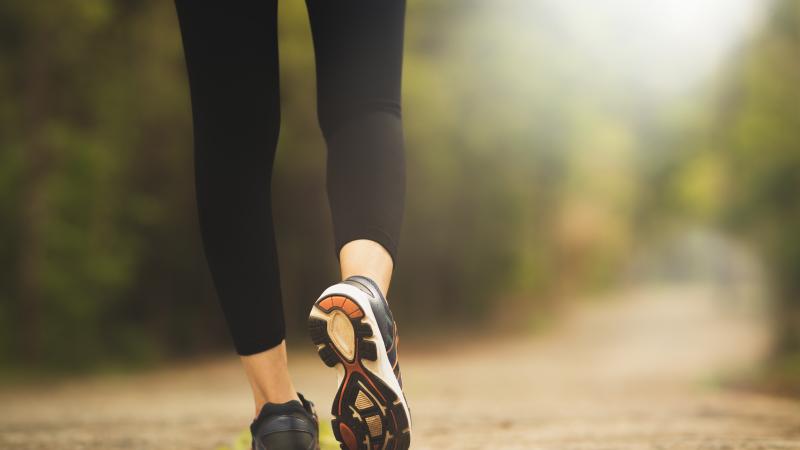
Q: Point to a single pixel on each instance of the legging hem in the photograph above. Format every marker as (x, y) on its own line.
(259, 344)
(381, 237)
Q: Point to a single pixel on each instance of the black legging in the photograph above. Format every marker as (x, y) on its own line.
(232, 59)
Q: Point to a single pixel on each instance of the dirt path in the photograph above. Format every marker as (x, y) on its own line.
(640, 371)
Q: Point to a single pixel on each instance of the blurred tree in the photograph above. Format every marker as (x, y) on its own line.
(756, 132)
(94, 183)
(739, 163)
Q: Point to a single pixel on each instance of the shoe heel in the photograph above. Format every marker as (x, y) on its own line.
(336, 328)
(367, 413)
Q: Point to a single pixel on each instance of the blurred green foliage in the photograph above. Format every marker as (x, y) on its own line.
(743, 168)
(98, 244)
(532, 173)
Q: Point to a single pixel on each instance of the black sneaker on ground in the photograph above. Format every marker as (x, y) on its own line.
(286, 426)
(355, 333)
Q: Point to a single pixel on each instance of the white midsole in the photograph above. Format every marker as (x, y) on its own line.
(381, 367)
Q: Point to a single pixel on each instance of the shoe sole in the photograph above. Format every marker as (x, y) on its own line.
(369, 409)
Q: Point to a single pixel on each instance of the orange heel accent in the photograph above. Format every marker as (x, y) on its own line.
(326, 304)
(345, 304)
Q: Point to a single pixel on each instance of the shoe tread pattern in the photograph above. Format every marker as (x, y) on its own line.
(367, 413)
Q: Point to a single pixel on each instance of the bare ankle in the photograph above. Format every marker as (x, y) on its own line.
(268, 374)
(367, 258)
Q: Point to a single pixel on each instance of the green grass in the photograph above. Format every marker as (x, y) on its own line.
(326, 439)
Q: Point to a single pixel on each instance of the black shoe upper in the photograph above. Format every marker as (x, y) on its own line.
(286, 426)
(383, 315)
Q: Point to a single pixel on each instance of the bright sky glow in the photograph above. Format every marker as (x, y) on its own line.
(661, 46)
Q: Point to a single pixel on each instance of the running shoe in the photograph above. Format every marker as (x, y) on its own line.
(286, 426)
(355, 333)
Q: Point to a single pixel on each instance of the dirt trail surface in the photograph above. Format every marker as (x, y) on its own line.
(639, 371)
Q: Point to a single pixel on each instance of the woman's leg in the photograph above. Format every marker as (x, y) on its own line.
(359, 52)
(232, 59)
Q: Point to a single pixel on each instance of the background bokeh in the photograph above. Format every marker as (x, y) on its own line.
(555, 148)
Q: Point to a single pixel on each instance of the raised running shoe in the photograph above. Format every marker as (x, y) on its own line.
(286, 426)
(355, 333)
